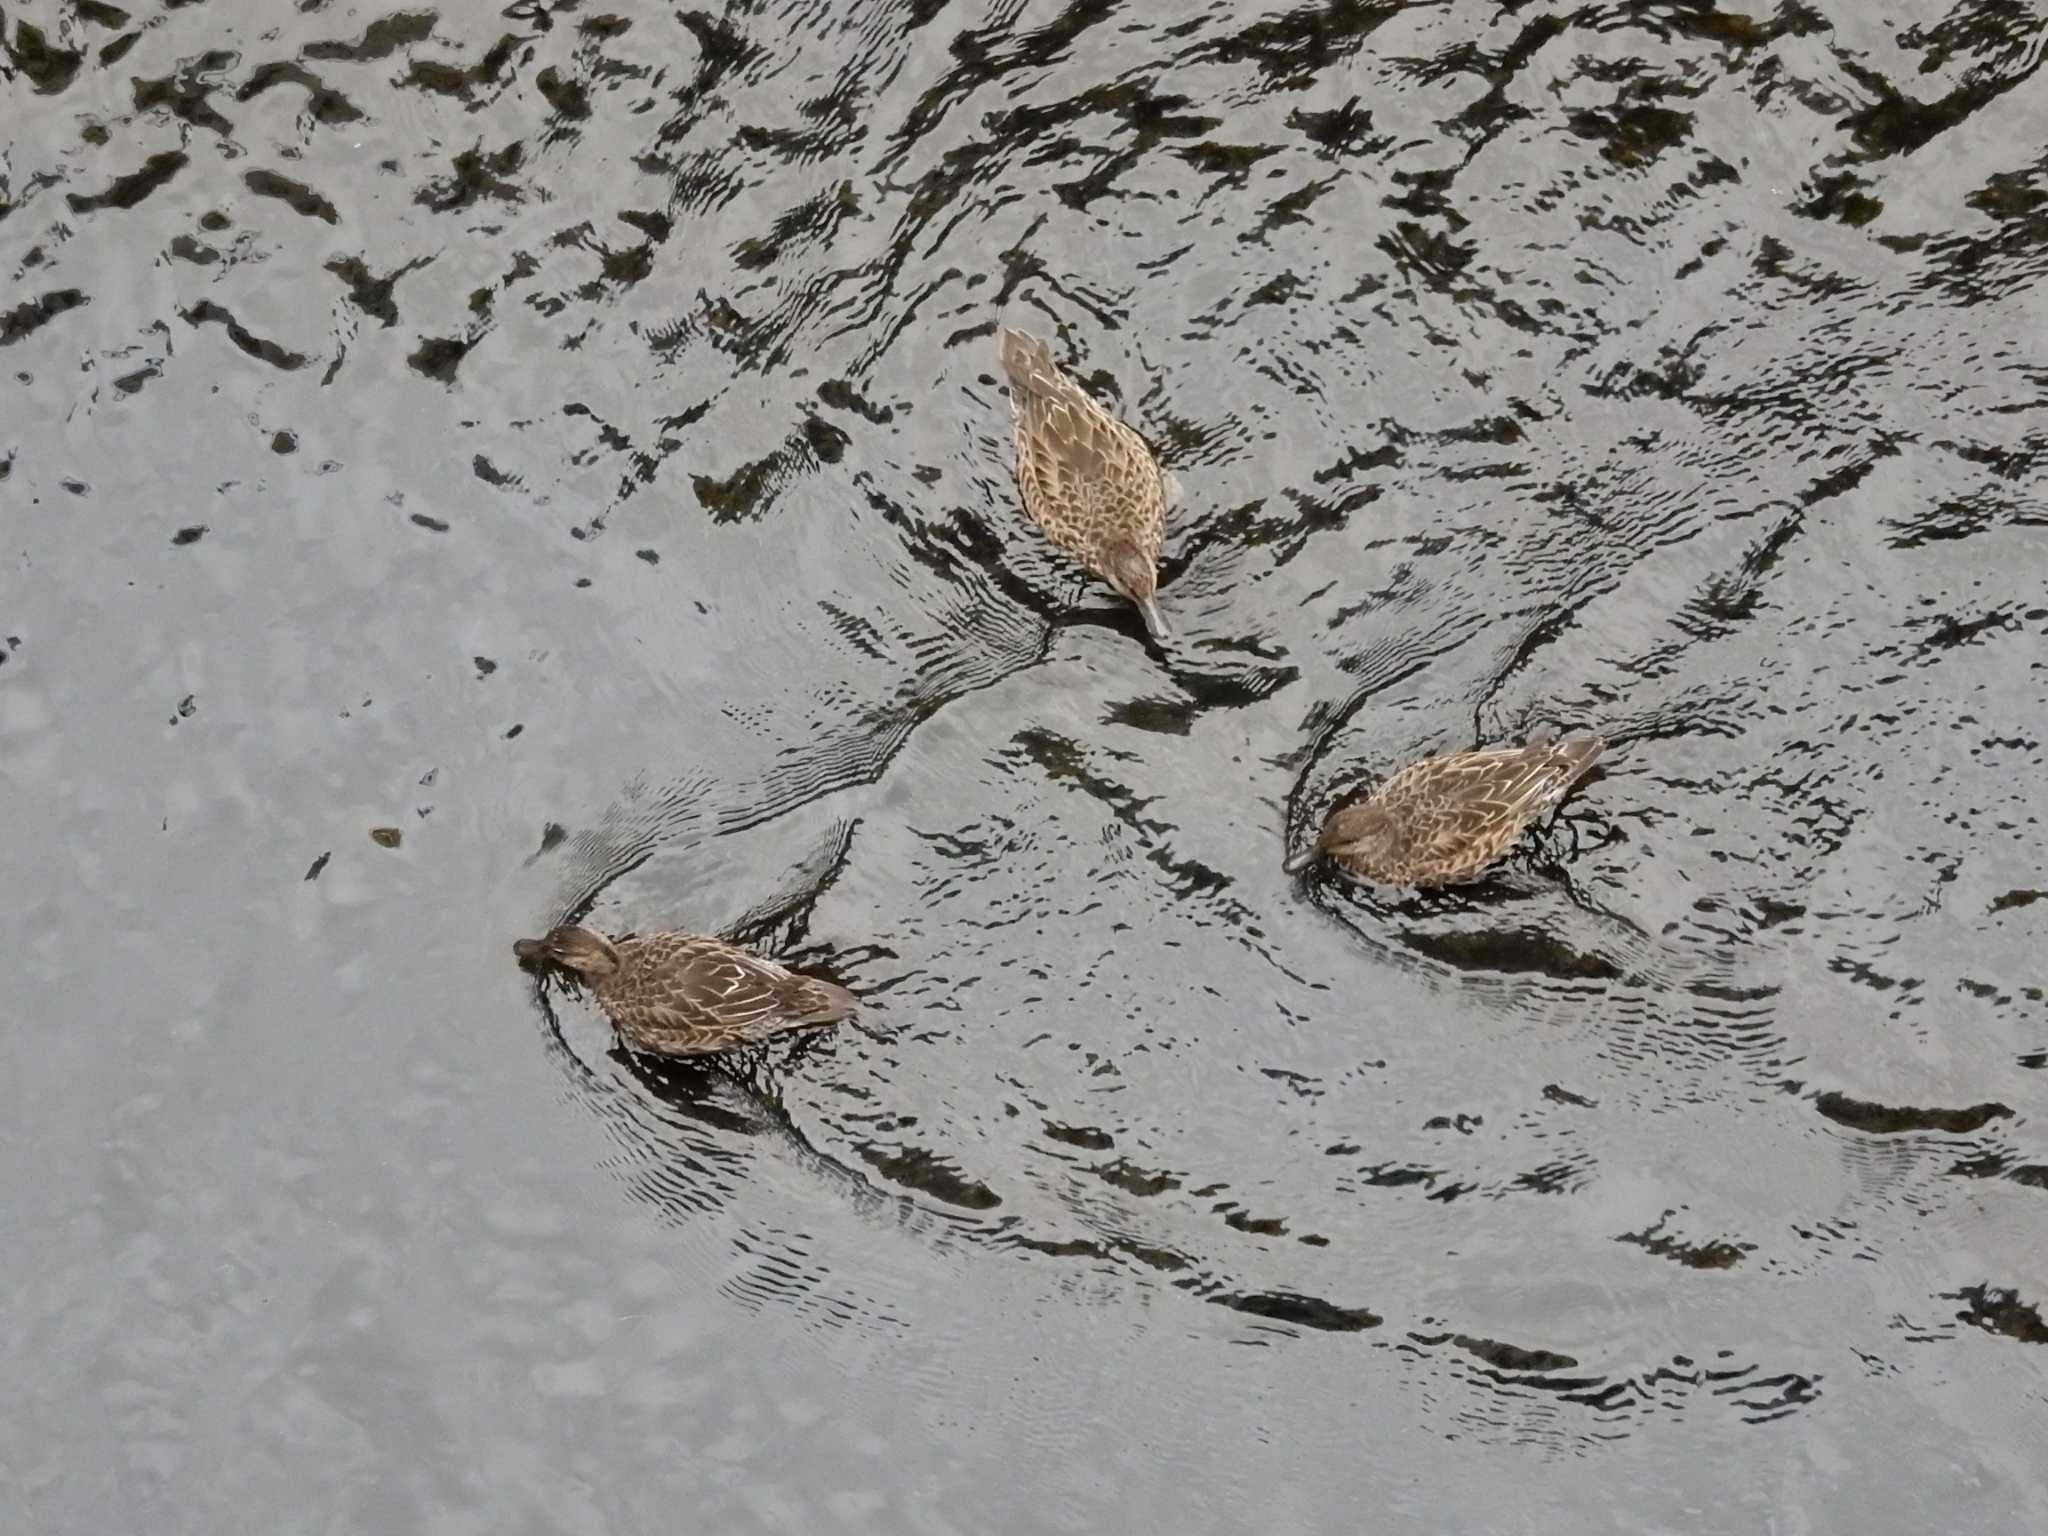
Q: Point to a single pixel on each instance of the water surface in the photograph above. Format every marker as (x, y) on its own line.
(464, 468)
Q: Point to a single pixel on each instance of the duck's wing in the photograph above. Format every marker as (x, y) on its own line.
(711, 986)
(1465, 810)
(1067, 437)
(1512, 783)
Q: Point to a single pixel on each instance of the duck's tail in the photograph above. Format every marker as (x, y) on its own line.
(1576, 757)
(1554, 768)
(824, 1002)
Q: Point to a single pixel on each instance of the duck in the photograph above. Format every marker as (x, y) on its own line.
(1448, 818)
(681, 994)
(1087, 479)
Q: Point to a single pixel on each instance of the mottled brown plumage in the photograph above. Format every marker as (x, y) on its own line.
(676, 994)
(1447, 818)
(1087, 479)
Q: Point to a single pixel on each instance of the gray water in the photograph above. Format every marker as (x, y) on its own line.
(563, 444)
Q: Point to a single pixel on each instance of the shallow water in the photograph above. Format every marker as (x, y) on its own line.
(462, 469)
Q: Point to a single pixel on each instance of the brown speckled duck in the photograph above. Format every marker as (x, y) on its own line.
(676, 994)
(1447, 818)
(1088, 480)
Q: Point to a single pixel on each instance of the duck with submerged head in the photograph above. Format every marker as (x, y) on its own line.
(679, 994)
(1448, 818)
(1087, 479)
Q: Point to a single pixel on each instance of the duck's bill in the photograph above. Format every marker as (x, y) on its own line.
(1300, 859)
(1155, 621)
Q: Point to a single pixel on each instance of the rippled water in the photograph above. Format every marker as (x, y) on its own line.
(464, 468)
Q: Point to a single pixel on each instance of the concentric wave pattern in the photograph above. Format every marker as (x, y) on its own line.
(1611, 368)
(1598, 447)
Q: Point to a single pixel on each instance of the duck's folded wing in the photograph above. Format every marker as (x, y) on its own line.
(724, 989)
(1507, 784)
(1075, 441)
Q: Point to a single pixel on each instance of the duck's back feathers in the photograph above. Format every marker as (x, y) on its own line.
(1497, 784)
(670, 982)
(1447, 818)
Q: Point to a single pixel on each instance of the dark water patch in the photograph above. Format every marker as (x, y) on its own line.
(1891, 1120)
(475, 176)
(1716, 1253)
(130, 190)
(380, 39)
(569, 99)
(1516, 951)
(1843, 197)
(206, 312)
(2000, 1312)
(47, 67)
(1243, 1221)
(1896, 123)
(1301, 1311)
(327, 106)
(1385, 1176)
(1165, 717)
(1090, 1137)
(1291, 48)
(1963, 518)
(1633, 135)
(118, 49)
(33, 314)
(1998, 1165)
(186, 96)
(1345, 130)
(313, 870)
(1502, 1357)
(1071, 1248)
(490, 474)
(437, 357)
(295, 195)
(1561, 1177)
(461, 80)
(1135, 1180)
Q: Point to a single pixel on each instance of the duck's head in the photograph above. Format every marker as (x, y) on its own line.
(1130, 570)
(575, 949)
(1355, 829)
